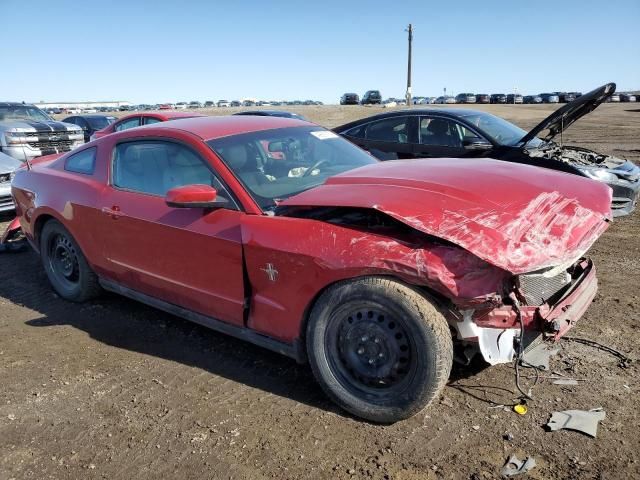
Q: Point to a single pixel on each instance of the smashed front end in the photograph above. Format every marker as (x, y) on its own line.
(503, 253)
(545, 303)
(621, 175)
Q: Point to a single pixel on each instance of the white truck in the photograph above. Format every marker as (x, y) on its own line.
(27, 132)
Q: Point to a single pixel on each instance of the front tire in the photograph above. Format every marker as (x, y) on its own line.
(65, 264)
(378, 348)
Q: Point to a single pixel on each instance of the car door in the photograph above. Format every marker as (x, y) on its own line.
(444, 137)
(191, 257)
(387, 139)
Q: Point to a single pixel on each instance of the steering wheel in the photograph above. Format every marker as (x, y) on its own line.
(313, 167)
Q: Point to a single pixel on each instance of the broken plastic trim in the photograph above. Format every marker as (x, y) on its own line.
(579, 420)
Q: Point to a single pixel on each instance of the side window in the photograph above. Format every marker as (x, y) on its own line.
(356, 132)
(154, 167)
(439, 132)
(81, 122)
(82, 162)
(127, 124)
(465, 134)
(394, 130)
(150, 120)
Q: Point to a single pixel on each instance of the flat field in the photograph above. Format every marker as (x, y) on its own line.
(113, 389)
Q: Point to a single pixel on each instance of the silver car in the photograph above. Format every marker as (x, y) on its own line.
(8, 166)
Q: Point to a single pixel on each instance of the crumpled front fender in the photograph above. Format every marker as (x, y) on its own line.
(12, 231)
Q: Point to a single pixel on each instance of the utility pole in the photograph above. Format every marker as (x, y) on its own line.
(410, 30)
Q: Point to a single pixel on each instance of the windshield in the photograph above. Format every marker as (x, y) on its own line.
(23, 112)
(276, 164)
(98, 123)
(501, 131)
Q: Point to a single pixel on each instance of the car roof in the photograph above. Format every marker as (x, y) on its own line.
(166, 115)
(92, 115)
(171, 114)
(16, 104)
(209, 128)
(273, 113)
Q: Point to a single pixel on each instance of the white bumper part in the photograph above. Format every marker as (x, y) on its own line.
(496, 344)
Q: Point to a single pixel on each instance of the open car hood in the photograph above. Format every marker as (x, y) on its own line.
(572, 111)
(517, 217)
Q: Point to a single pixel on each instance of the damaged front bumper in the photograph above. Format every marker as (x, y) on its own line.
(12, 239)
(496, 329)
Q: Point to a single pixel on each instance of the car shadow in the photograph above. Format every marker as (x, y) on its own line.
(126, 324)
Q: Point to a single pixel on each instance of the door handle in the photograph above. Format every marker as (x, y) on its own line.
(114, 212)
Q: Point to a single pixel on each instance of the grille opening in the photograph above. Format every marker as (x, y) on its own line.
(542, 287)
(66, 144)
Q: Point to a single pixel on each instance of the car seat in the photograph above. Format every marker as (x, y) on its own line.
(185, 168)
(243, 166)
(438, 133)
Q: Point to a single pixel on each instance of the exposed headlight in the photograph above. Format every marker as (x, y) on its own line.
(15, 138)
(599, 174)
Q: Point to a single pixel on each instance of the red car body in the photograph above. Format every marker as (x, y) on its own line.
(144, 118)
(459, 230)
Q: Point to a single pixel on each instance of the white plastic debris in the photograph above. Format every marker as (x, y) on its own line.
(566, 381)
(578, 420)
(515, 466)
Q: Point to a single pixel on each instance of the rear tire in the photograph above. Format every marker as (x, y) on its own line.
(379, 349)
(65, 264)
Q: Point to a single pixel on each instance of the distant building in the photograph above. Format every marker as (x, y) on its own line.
(116, 104)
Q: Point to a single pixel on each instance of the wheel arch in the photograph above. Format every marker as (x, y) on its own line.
(38, 225)
(424, 290)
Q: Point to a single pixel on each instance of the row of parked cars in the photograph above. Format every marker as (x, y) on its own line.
(374, 97)
(234, 103)
(498, 98)
(176, 106)
(376, 272)
(514, 98)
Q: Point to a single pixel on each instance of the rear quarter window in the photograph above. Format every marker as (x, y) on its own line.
(356, 132)
(82, 162)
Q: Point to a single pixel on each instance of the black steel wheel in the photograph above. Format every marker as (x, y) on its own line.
(65, 265)
(379, 348)
(63, 261)
(370, 348)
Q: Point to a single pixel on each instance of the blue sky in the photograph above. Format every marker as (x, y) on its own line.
(156, 51)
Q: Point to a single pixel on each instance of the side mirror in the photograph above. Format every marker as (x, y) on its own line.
(194, 196)
(476, 144)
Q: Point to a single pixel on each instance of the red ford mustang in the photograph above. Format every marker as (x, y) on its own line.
(142, 118)
(371, 271)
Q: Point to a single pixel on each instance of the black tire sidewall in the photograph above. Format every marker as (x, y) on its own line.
(82, 290)
(425, 382)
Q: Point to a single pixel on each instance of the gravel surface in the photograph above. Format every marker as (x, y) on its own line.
(117, 390)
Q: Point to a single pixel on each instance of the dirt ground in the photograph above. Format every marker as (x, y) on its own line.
(113, 389)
